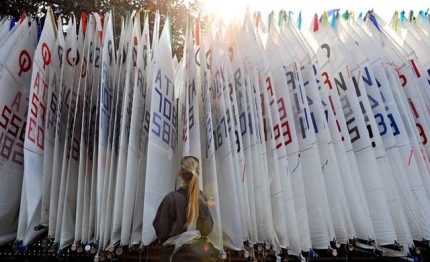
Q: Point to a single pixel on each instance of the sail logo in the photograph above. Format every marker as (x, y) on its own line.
(72, 61)
(46, 55)
(24, 62)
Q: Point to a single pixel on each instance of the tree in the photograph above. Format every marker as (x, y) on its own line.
(177, 9)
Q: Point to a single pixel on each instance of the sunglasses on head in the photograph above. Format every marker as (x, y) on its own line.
(193, 157)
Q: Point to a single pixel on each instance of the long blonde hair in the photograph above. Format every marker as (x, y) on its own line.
(189, 172)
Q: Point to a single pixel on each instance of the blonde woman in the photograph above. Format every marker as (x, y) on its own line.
(183, 219)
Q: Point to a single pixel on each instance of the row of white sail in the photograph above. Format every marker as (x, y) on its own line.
(304, 136)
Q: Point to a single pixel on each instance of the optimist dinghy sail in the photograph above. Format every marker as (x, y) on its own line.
(319, 216)
(354, 128)
(131, 61)
(58, 180)
(394, 156)
(15, 80)
(231, 215)
(34, 145)
(73, 134)
(209, 168)
(91, 136)
(396, 209)
(139, 116)
(163, 133)
(85, 154)
(54, 91)
(106, 110)
(260, 183)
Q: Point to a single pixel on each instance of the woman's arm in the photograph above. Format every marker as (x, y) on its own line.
(204, 222)
(163, 219)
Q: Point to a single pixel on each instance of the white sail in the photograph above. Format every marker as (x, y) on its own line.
(415, 155)
(90, 184)
(233, 126)
(137, 226)
(264, 216)
(236, 78)
(131, 62)
(58, 181)
(319, 217)
(359, 78)
(354, 124)
(34, 144)
(260, 182)
(346, 161)
(73, 135)
(245, 98)
(396, 159)
(163, 134)
(209, 173)
(138, 113)
(191, 113)
(414, 166)
(403, 64)
(54, 90)
(89, 192)
(404, 87)
(334, 176)
(85, 160)
(5, 27)
(416, 48)
(247, 124)
(230, 213)
(271, 131)
(9, 42)
(387, 160)
(15, 87)
(335, 185)
(105, 115)
(389, 175)
(113, 136)
(273, 121)
(182, 73)
(236, 41)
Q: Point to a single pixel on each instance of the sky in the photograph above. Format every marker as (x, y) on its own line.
(384, 8)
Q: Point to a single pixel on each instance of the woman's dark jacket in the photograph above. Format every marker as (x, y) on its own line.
(172, 215)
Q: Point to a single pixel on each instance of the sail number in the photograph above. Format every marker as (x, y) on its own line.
(164, 118)
(12, 138)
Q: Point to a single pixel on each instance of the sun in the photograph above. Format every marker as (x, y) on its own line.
(227, 10)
